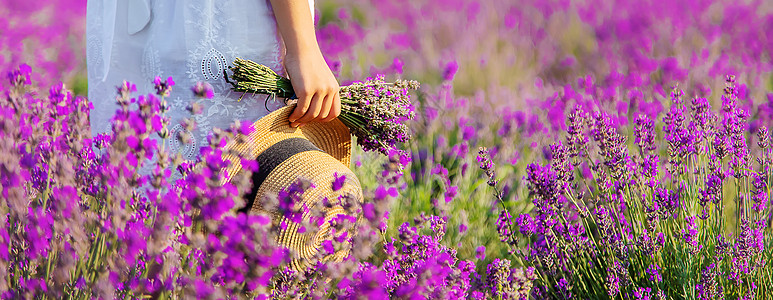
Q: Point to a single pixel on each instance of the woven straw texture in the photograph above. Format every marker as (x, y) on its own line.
(332, 137)
(319, 167)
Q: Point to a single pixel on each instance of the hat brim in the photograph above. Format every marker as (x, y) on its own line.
(331, 137)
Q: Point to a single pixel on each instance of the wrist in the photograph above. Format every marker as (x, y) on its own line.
(302, 49)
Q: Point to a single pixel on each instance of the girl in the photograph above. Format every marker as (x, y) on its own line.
(195, 40)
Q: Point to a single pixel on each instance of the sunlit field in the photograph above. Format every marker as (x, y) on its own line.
(560, 150)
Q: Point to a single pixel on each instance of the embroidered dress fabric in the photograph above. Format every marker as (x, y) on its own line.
(189, 40)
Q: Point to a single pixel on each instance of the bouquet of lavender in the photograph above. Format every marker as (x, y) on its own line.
(374, 110)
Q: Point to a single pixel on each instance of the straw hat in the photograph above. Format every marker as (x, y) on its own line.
(317, 152)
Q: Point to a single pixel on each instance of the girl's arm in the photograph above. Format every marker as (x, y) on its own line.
(314, 83)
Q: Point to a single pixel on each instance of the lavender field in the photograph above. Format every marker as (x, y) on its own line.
(591, 149)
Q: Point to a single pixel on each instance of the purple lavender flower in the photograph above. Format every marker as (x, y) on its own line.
(748, 246)
(564, 288)
(708, 287)
(543, 183)
(644, 133)
(711, 194)
(649, 167)
(487, 166)
(504, 223)
(667, 202)
(526, 225)
(339, 181)
(369, 284)
(202, 90)
(611, 144)
(577, 141)
(480, 252)
(763, 137)
(759, 193)
(690, 235)
(654, 271)
(734, 123)
(642, 293)
(290, 202)
(613, 280)
(450, 70)
(20, 76)
(163, 87)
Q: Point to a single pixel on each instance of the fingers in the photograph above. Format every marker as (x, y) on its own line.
(322, 106)
(313, 110)
(335, 109)
(304, 102)
(326, 106)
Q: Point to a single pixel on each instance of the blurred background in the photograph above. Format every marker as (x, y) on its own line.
(494, 73)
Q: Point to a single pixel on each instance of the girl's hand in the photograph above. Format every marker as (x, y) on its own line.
(315, 86)
(314, 83)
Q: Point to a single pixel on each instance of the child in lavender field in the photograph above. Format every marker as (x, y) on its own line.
(193, 41)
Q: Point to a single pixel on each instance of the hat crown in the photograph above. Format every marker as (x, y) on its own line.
(319, 153)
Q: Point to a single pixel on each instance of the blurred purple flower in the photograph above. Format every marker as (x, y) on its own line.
(203, 90)
(449, 70)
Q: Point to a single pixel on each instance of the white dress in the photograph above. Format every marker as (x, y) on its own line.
(189, 40)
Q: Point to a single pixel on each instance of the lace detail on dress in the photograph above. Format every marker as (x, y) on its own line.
(176, 146)
(206, 63)
(94, 41)
(151, 63)
(213, 65)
